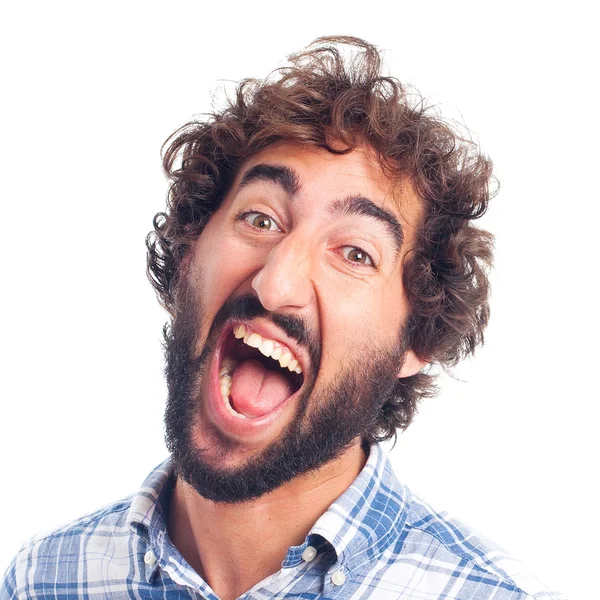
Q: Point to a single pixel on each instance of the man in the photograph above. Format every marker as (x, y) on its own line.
(316, 255)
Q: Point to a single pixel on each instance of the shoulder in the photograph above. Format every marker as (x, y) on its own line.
(108, 521)
(57, 558)
(457, 561)
(392, 544)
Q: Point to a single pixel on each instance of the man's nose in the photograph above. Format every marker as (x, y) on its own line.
(284, 279)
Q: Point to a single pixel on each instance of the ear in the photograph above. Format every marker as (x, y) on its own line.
(412, 365)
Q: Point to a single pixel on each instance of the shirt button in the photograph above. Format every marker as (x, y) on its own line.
(309, 553)
(338, 578)
(149, 558)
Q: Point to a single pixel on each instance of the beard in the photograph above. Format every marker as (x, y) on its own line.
(327, 422)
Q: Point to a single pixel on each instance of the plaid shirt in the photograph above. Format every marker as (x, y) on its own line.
(376, 541)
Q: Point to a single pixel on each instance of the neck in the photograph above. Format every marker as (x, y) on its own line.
(214, 536)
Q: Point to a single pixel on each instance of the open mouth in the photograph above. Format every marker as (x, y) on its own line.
(256, 374)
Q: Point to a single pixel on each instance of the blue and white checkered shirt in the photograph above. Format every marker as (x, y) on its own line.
(376, 541)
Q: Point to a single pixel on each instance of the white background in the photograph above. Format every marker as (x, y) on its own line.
(91, 90)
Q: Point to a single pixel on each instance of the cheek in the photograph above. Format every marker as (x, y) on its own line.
(361, 317)
(220, 266)
(393, 309)
(206, 274)
(347, 323)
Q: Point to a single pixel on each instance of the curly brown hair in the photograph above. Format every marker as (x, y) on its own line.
(338, 102)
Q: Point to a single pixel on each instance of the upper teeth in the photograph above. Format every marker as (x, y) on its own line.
(275, 350)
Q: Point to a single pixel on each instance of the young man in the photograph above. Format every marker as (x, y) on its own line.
(316, 255)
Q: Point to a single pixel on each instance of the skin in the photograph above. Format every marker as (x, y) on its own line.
(304, 264)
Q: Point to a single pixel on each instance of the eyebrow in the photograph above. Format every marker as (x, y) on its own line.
(278, 174)
(359, 205)
(354, 204)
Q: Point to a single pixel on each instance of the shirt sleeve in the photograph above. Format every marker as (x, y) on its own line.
(8, 585)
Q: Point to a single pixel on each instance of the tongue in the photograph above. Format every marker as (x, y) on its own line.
(256, 390)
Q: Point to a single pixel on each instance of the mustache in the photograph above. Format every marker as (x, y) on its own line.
(248, 306)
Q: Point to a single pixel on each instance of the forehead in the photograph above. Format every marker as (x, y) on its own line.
(332, 176)
(360, 165)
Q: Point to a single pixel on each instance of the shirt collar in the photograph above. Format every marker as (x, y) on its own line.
(364, 520)
(359, 525)
(147, 513)
(147, 516)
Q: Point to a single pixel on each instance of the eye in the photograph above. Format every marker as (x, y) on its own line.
(259, 220)
(357, 255)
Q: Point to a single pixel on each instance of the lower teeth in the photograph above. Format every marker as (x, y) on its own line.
(229, 407)
(225, 380)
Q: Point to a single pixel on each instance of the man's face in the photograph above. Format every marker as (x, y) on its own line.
(289, 335)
